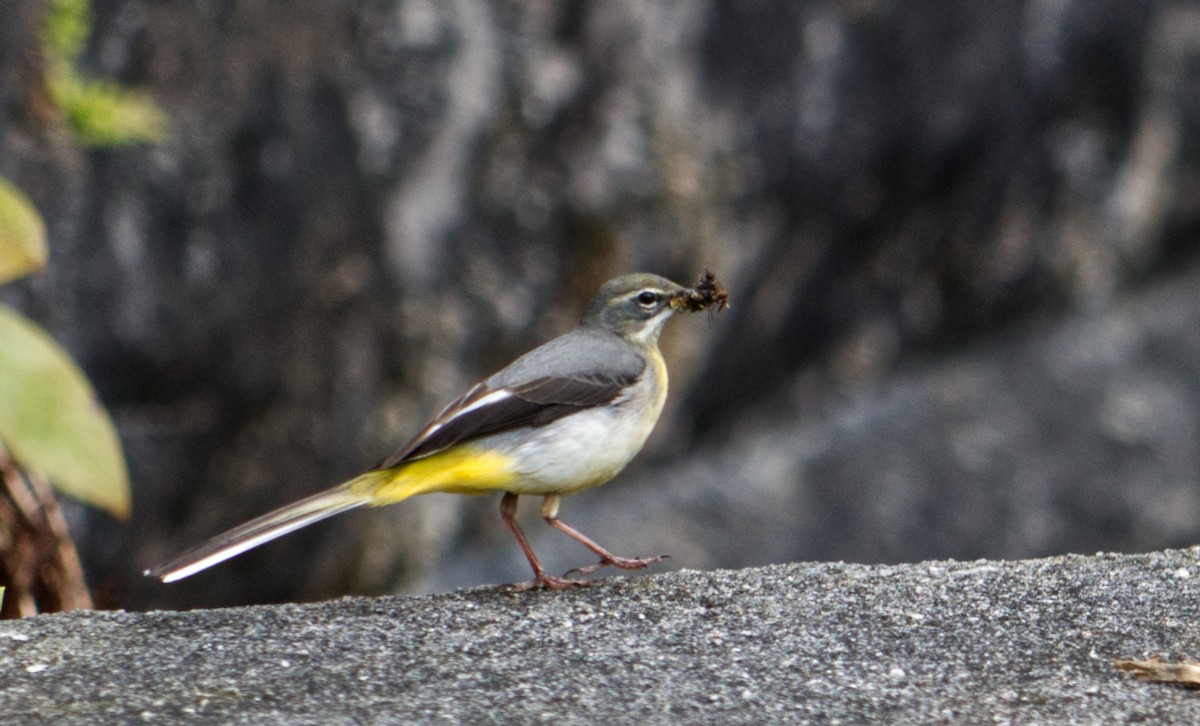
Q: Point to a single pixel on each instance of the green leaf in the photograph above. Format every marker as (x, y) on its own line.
(106, 114)
(101, 113)
(51, 420)
(67, 27)
(22, 234)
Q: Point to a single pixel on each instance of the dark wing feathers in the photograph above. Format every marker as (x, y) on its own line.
(533, 403)
(580, 391)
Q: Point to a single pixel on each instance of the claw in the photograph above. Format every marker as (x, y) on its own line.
(546, 582)
(624, 563)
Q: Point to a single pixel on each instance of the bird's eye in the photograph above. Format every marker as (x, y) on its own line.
(647, 298)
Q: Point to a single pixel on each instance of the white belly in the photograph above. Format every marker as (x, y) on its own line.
(583, 449)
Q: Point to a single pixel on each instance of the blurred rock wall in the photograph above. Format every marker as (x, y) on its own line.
(365, 205)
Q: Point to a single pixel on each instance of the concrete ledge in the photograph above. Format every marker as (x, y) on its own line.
(951, 642)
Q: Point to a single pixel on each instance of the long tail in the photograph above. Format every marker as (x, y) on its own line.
(460, 469)
(355, 493)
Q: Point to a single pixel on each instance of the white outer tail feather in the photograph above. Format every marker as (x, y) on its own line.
(259, 531)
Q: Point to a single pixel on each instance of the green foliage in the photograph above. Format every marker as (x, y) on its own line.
(103, 113)
(22, 234)
(67, 27)
(49, 416)
(51, 421)
(100, 112)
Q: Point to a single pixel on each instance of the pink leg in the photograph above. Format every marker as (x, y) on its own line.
(508, 508)
(550, 514)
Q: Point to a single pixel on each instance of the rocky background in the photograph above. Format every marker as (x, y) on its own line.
(959, 240)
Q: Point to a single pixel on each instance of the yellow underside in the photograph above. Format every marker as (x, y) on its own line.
(459, 470)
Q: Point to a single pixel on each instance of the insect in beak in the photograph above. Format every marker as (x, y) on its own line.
(708, 294)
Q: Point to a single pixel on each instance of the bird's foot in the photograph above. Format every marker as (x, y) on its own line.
(546, 582)
(624, 563)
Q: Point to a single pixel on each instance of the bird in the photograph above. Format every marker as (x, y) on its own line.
(564, 417)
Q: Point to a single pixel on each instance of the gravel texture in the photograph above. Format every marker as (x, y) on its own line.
(936, 642)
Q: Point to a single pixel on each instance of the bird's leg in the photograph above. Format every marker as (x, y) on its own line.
(508, 508)
(550, 514)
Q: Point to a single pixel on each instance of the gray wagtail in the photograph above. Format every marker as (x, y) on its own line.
(565, 416)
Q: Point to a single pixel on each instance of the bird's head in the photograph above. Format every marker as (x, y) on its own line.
(634, 307)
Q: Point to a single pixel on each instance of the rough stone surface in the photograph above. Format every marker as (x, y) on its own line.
(935, 642)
